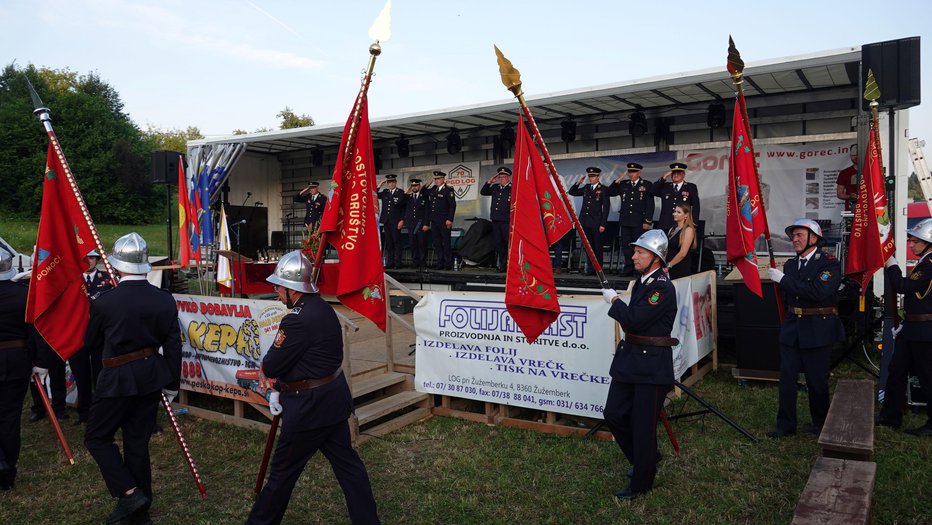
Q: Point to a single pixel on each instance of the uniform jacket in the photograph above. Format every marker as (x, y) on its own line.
(815, 286)
(442, 203)
(415, 209)
(15, 363)
(595, 206)
(132, 316)
(100, 282)
(669, 198)
(500, 210)
(637, 203)
(315, 207)
(917, 299)
(392, 205)
(309, 345)
(651, 311)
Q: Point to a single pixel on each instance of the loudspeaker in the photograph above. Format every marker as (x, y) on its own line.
(278, 240)
(757, 329)
(895, 64)
(165, 167)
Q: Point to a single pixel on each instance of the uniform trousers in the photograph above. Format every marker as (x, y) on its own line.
(134, 415)
(816, 363)
(631, 412)
(915, 356)
(627, 235)
(595, 240)
(391, 244)
(443, 250)
(292, 453)
(56, 379)
(500, 238)
(12, 395)
(85, 376)
(418, 239)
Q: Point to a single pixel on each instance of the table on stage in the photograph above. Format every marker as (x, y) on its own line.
(249, 277)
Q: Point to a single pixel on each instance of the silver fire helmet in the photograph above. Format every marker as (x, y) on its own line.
(92, 253)
(922, 230)
(6, 265)
(293, 271)
(654, 241)
(131, 254)
(809, 224)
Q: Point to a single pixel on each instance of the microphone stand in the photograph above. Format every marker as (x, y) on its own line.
(239, 266)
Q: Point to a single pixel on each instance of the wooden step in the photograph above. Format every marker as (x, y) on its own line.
(393, 424)
(387, 405)
(368, 385)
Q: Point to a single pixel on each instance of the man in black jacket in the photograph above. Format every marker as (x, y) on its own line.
(441, 211)
(594, 212)
(129, 324)
(315, 205)
(315, 399)
(499, 213)
(415, 213)
(391, 217)
(636, 212)
(672, 192)
(15, 367)
(84, 366)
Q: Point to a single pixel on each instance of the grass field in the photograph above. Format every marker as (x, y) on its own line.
(22, 235)
(449, 471)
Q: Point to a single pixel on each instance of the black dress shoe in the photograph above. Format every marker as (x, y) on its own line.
(62, 415)
(924, 431)
(82, 418)
(35, 416)
(777, 434)
(881, 422)
(659, 459)
(628, 494)
(127, 505)
(812, 429)
(7, 477)
(140, 517)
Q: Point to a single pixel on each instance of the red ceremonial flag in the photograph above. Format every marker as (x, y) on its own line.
(57, 303)
(746, 219)
(353, 228)
(538, 220)
(871, 236)
(184, 206)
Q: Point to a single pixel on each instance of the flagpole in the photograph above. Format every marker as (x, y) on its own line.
(53, 418)
(736, 70)
(511, 77)
(45, 118)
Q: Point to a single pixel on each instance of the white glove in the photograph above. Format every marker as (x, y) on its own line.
(274, 406)
(775, 275)
(609, 295)
(22, 276)
(169, 394)
(890, 262)
(898, 329)
(43, 374)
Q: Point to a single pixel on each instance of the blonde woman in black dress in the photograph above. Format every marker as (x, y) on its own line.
(682, 239)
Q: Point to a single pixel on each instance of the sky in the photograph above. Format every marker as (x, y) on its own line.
(223, 65)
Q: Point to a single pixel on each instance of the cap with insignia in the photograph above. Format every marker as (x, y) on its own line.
(678, 166)
(439, 174)
(414, 181)
(391, 178)
(634, 166)
(504, 171)
(592, 171)
(314, 184)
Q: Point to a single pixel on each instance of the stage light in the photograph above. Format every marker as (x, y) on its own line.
(454, 142)
(638, 124)
(317, 157)
(568, 132)
(403, 147)
(716, 118)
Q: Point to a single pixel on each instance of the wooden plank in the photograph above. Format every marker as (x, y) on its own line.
(385, 406)
(237, 408)
(227, 418)
(368, 385)
(462, 414)
(838, 493)
(414, 416)
(848, 432)
(560, 430)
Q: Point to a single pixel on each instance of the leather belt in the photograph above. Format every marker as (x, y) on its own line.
(645, 340)
(12, 343)
(307, 384)
(828, 310)
(918, 317)
(144, 353)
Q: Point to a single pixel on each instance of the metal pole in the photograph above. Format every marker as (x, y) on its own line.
(168, 211)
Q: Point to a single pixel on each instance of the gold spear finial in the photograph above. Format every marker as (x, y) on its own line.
(511, 77)
(735, 64)
(871, 89)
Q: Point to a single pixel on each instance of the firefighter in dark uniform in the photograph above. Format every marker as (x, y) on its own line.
(15, 367)
(500, 213)
(315, 399)
(415, 212)
(441, 209)
(673, 192)
(594, 213)
(315, 202)
(636, 213)
(811, 327)
(130, 323)
(392, 204)
(84, 366)
(642, 369)
(913, 347)
(49, 361)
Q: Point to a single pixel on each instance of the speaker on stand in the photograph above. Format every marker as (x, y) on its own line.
(165, 171)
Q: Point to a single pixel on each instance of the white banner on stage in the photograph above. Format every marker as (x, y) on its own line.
(468, 346)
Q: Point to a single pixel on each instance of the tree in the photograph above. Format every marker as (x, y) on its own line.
(173, 139)
(238, 131)
(105, 149)
(290, 120)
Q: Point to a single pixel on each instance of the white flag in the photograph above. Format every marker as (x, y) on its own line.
(224, 271)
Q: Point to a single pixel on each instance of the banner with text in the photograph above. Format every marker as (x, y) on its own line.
(223, 342)
(468, 346)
